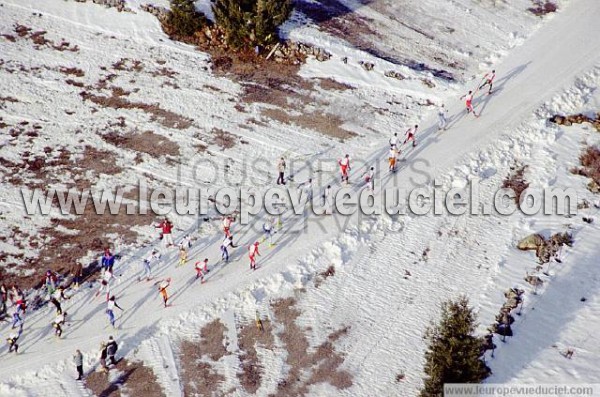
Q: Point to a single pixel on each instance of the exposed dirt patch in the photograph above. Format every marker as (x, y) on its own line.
(249, 337)
(327, 124)
(134, 379)
(147, 142)
(516, 181)
(590, 167)
(307, 367)
(165, 117)
(197, 373)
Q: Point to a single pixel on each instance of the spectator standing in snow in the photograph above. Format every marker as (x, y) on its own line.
(103, 355)
(281, 171)
(77, 274)
(78, 360)
(111, 350)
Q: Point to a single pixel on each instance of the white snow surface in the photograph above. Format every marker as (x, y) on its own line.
(543, 69)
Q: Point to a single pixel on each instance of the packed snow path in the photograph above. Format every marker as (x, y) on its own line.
(545, 64)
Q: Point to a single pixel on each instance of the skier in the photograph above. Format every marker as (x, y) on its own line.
(345, 167)
(268, 229)
(77, 274)
(12, 341)
(469, 102)
(166, 228)
(17, 320)
(108, 260)
(442, 121)
(162, 289)
(110, 310)
(489, 79)
(186, 242)
(327, 197)
(154, 255)
(308, 189)
(281, 171)
(227, 220)
(56, 297)
(252, 252)
(105, 283)
(59, 321)
(183, 256)
(111, 350)
(227, 242)
(394, 141)
(392, 157)
(410, 135)
(103, 355)
(201, 269)
(370, 178)
(50, 281)
(78, 360)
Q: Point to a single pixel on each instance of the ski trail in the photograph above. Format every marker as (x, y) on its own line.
(159, 354)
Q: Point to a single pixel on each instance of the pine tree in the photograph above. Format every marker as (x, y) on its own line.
(184, 19)
(454, 354)
(248, 23)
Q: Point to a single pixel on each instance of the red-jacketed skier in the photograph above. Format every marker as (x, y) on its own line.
(410, 135)
(201, 269)
(345, 167)
(489, 80)
(227, 221)
(252, 253)
(166, 228)
(469, 102)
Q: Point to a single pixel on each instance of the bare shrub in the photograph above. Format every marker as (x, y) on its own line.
(590, 167)
(516, 181)
(542, 7)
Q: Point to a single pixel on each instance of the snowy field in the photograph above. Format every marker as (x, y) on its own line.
(391, 273)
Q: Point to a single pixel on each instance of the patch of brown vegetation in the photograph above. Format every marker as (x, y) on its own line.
(165, 117)
(129, 65)
(542, 7)
(325, 123)
(198, 375)
(72, 71)
(74, 83)
(211, 340)
(590, 167)
(307, 368)
(249, 337)
(164, 71)
(147, 142)
(223, 139)
(516, 181)
(331, 84)
(577, 119)
(134, 379)
(39, 39)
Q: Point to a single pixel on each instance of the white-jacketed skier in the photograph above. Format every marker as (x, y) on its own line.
(442, 117)
(154, 255)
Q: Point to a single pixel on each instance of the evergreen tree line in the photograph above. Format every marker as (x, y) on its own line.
(246, 23)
